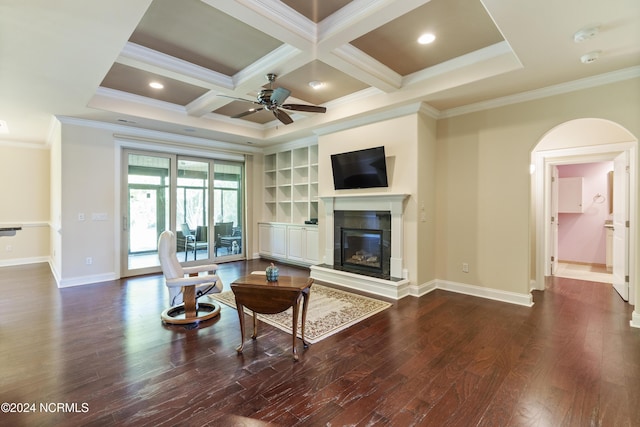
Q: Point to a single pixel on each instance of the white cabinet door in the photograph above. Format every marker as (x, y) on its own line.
(292, 242)
(279, 241)
(296, 243)
(311, 253)
(272, 240)
(570, 195)
(264, 238)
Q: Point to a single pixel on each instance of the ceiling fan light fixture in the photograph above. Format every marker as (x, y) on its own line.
(156, 85)
(273, 100)
(426, 38)
(316, 84)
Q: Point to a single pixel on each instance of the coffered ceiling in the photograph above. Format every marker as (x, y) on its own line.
(95, 60)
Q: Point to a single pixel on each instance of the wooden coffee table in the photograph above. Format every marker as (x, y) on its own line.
(260, 296)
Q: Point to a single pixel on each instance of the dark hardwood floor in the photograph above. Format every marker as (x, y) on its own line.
(99, 355)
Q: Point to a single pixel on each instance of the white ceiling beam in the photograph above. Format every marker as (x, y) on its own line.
(273, 18)
(159, 63)
(361, 66)
(358, 18)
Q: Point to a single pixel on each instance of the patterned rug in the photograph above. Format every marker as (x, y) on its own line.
(330, 311)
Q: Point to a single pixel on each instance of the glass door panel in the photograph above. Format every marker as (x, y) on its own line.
(148, 182)
(192, 210)
(228, 205)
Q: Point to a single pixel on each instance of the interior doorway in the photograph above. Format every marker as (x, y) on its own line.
(584, 221)
(581, 141)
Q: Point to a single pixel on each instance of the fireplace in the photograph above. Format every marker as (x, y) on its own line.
(361, 249)
(373, 211)
(362, 242)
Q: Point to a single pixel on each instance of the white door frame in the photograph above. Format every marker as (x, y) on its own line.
(544, 161)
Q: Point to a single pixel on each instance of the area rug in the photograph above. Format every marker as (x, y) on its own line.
(330, 311)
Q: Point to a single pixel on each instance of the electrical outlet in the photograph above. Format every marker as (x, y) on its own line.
(465, 267)
(9, 248)
(88, 260)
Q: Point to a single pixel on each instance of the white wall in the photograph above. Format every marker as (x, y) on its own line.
(88, 186)
(90, 178)
(484, 182)
(24, 200)
(401, 138)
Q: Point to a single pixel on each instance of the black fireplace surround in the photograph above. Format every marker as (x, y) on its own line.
(363, 242)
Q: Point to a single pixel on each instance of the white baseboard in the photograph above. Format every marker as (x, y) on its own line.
(22, 261)
(87, 280)
(488, 293)
(423, 289)
(635, 319)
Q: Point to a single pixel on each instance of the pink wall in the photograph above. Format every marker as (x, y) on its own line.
(582, 236)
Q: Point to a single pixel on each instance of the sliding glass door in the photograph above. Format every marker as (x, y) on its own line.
(192, 210)
(147, 208)
(185, 195)
(228, 209)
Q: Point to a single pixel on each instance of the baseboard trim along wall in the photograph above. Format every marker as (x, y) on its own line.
(635, 319)
(87, 280)
(22, 261)
(488, 293)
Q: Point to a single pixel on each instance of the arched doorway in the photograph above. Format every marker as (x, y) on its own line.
(581, 141)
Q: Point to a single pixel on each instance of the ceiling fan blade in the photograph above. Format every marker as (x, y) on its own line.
(239, 99)
(282, 116)
(246, 113)
(279, 95)
(307, 108)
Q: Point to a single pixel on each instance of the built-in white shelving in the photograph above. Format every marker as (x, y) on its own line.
(291, 185)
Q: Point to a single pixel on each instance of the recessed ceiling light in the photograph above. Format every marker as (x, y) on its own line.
(426, 38)
(156, 85)
(316, 84)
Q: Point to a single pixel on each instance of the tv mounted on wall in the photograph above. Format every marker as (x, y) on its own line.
(360, 169)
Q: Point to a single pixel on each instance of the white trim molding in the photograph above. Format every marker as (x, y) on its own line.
(395, 289)
(390, 202)
(487, 293)
(87, 280)
(635, 319)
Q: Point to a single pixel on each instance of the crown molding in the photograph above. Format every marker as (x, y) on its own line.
(380, 116)
(21, 144)
(136, 133)
(586, 83)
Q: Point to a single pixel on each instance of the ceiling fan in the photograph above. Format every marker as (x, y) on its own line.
(272, 100)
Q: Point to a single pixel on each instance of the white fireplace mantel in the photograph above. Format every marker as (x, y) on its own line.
(388, 202)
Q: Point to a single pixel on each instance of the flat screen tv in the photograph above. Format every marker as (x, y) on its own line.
(360, 169)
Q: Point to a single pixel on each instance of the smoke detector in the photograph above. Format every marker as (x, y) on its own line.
(590, 57)
(585, 34)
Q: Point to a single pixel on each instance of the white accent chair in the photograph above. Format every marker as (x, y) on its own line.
(186, 285)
